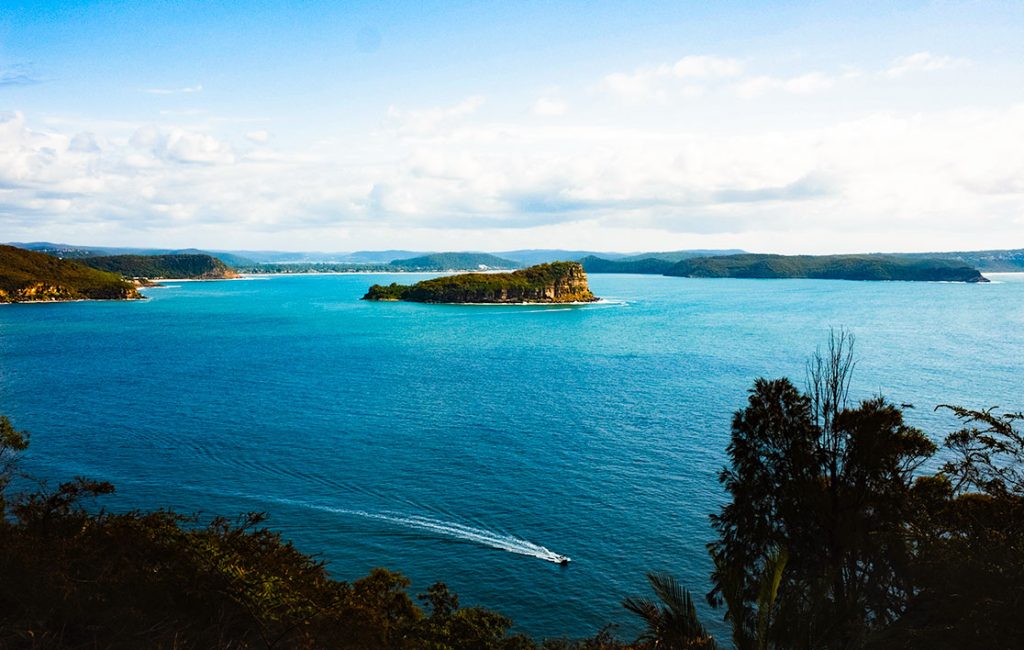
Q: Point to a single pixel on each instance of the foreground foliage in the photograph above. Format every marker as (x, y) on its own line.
(77, 577)
(880, 555)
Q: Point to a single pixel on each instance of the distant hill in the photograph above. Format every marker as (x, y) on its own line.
(827, 267)
(31, 276)
(533, 256)
(68, 251)
(453, 261)
(647, 265)
(196, 267)
(676, 256)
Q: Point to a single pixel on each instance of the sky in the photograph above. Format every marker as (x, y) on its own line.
(792, 127)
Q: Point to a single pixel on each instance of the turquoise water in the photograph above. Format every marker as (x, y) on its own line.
(471, 443)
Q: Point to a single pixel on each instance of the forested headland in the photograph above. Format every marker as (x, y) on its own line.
(28, 276)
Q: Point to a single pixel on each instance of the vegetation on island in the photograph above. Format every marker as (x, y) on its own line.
(155, 267)
(30, 276)
(818, 267)
(834, 535)
(554, 282)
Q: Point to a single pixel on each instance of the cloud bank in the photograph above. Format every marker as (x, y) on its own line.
(460, 175)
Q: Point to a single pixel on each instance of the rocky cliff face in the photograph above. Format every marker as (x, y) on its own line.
(45, 292)
(558, 282)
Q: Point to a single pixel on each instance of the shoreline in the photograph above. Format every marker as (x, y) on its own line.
(59, 302)
(449, 271)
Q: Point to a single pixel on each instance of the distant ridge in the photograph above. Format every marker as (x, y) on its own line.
(644, 265)
(676, 256)
(1004, 260)
(530, 257)
(454, 261)
(68, 251)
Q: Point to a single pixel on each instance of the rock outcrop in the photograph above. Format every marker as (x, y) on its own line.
(557, 282)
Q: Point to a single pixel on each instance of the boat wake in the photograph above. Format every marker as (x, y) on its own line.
(450, 529)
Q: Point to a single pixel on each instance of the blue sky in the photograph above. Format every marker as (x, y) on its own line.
(823, 127)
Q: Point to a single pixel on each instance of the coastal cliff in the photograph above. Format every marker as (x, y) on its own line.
(27, 276)
(557, 282)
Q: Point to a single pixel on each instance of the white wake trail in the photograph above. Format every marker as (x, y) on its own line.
(447, 529)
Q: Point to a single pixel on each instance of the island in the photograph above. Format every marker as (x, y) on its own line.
(555, 282)
(871, 266)
(28, 276)
(158, 267)
(827, 267)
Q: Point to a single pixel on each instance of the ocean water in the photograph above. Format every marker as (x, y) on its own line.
(471, 444)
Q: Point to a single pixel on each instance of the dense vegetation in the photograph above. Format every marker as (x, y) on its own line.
(832, 537)
(197, 267)
(28, 275)
(554, 282)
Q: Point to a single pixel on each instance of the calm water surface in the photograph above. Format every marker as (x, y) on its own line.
(468, 443)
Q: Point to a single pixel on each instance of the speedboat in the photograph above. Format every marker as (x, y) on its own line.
(562, 559)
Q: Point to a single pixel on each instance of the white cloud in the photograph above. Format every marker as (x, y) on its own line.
(803, 84)
(686, 76)
(425, 121)
(259, 136)
(705, 67)
(180, 145)
(932, 177)
(549, 107)
(198, 88)
(922, 62)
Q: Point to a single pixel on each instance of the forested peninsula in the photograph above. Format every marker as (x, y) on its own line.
(159, 267)
(557, 282)
(870, 267)
(27, 276)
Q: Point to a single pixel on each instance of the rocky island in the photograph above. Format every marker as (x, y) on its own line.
(27, 276)
(556, 282)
